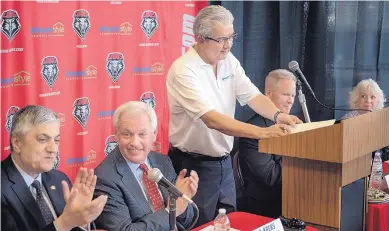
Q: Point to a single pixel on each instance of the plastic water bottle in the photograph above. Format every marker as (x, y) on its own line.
(221, 223)
(376, 171)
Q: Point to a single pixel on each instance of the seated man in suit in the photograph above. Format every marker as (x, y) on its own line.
(34, 196)
(135, 202)
(262, 172)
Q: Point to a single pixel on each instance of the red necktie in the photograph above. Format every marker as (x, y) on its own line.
(152, 190)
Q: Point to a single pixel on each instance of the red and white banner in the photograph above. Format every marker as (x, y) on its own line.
(83, 59)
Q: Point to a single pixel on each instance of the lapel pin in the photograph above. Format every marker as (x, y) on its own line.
(52, 187)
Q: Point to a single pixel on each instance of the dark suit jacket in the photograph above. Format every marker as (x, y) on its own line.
(261, 172)
(127, 208)
(19, 210)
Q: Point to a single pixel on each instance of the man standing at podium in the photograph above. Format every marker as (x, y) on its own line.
(262, 172)
(203, 86)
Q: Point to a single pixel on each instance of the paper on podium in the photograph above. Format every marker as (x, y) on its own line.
(210, 228)
(310, 126)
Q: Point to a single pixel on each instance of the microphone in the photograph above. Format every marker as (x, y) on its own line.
(303, 102)
(294, 67)
(154, 174)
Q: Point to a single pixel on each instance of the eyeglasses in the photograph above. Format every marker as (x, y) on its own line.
(293, 223)
(223, 40)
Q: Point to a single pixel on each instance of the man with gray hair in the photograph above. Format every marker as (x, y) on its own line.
(261, 172)
(202, 87)
(134, 201)
(34, 196)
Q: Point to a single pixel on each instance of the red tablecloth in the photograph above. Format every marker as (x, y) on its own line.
(385, 167)
(246, 222)
(378, 215)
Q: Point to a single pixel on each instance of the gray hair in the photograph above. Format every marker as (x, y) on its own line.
(29, 116)
(371, 86)
(208, 17)
(135, 107)
(276, 75)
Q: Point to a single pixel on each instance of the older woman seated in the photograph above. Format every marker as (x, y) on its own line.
(368, 96)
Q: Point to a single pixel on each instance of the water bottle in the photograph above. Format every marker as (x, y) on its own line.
(376, 171)
(221, 223)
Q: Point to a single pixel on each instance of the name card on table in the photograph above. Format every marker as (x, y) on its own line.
(211, 228)
(275, 225)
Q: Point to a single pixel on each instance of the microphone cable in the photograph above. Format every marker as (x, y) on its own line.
(294, 67)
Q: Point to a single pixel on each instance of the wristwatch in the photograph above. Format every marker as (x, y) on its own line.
(276, 115)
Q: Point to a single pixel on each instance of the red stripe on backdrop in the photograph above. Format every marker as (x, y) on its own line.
(83, 59)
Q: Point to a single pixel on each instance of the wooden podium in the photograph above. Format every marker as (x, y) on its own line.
(324, 170)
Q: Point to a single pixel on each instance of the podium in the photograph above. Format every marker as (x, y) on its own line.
(324, 170)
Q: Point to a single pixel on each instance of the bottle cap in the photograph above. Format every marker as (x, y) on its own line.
(222, 211)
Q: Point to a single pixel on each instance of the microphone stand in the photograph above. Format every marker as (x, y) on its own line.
(172, 212)
(303, 102)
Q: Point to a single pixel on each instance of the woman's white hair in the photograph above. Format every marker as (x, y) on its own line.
(134, 108)
(208, 17)
(368, 85)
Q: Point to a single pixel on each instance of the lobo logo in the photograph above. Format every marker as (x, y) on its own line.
(110, 144)
(148, 98)
(149, 23)
(9, 117)
(81, 110)
(10, 24)
(81, 23)
(115, 65)
(49, 70)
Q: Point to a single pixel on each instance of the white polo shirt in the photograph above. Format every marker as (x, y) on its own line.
(193, 90)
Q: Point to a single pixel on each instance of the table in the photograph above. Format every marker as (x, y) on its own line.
(385, 167)
(378, 215)
(246, 222)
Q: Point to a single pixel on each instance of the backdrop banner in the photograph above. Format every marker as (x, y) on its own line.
(83, 59)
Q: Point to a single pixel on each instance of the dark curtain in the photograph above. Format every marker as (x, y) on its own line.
(336, 43)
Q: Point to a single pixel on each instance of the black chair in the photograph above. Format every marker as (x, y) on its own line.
(239, 182)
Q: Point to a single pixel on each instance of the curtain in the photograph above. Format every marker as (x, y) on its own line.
(336, 43)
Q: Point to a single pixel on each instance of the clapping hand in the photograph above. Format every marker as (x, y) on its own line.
(80, 209)
(83, 178)
(188, 186)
